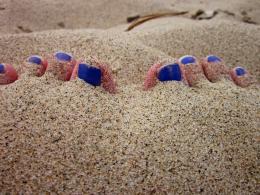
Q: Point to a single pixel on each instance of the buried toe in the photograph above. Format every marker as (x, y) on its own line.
(36, 65)
(241, 77)
(214, 68)
(8, 74)
(163, 72)
(61, 65)
(191, 69)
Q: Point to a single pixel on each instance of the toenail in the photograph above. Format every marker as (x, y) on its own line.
(2, 68)
(89, 74)
(170, 72)
(240, 71)
(62, 56)
(187, 59)
(35, 59)
(213, 58)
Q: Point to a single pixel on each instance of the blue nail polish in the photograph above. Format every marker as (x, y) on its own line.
(89, 74)
(171, 72)
(240, 71)
(213, 58)
(2, 68)
(35, 60)
(187, 60)
(62, 56)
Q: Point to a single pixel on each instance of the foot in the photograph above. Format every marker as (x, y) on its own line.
(190, 70)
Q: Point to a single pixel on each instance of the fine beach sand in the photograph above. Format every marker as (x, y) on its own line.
(72, 138)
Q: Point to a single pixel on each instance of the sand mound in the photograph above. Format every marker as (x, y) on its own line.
(69, 137)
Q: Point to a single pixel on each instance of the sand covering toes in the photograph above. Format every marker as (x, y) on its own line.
(73, 138)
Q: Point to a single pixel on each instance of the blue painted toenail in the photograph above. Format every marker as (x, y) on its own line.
(35, 60)
(213, 58)
(2, 68)
(62, 56)
(170, 72)
(188, 60)
(240, 71)
(90, 74)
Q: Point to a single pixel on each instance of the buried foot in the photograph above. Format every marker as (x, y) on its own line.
(190, 70)
(64, 67)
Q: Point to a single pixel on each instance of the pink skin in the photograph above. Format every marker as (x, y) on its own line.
(9, 76)
(35, 69)
(193, 72)
(242, 81)
(151, 76)
(61, 69)
(214, 71)
(42, 69)
(107, 80)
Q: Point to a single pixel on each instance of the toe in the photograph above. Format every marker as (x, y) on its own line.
(62, 65)
(8, 74)
(214, 68)
(241, 77)
(192, 69)
(37, 65)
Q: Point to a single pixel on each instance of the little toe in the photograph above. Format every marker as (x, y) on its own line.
(62, 65)
(214, 68)
(36, 65)
(241, 77)
(192, 69)
(8, 74)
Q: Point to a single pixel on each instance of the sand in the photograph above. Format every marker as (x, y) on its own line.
(72, 138)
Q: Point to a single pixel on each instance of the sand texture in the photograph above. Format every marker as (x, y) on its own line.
(71, 138)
